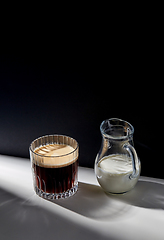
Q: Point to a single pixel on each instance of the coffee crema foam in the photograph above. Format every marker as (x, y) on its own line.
(55, 155)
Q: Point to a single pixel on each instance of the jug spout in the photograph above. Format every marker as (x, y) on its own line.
(115, 128)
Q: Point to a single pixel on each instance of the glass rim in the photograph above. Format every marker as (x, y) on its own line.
(62, 155)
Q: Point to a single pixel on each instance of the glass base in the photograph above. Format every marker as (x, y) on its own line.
(53, 196)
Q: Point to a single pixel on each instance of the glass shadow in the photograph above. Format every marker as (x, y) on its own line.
(92, 202)
(21, 219)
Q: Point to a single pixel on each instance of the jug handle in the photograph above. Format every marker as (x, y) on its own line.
(134, 158)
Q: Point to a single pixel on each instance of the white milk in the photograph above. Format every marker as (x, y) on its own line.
(113, 173)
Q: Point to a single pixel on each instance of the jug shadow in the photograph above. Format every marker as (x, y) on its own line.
(92, 202)
(146, 194)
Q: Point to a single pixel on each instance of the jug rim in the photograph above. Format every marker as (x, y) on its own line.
(118, 120)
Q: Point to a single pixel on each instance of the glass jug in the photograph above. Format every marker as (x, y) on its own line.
(117, 166)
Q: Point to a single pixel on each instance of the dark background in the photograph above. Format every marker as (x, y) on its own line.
(71, 85)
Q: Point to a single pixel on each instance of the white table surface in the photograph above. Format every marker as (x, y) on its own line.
(89, 214)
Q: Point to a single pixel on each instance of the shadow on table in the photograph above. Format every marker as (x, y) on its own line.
(146, 194)
(24, 219)
(92, 202)
(20, 219)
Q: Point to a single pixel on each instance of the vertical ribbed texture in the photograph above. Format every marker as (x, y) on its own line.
(54, 182)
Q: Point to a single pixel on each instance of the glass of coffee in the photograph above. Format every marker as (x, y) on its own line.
(54, 162)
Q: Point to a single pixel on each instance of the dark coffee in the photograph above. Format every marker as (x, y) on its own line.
(55, 180)
(55, 168)
(54, 160)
